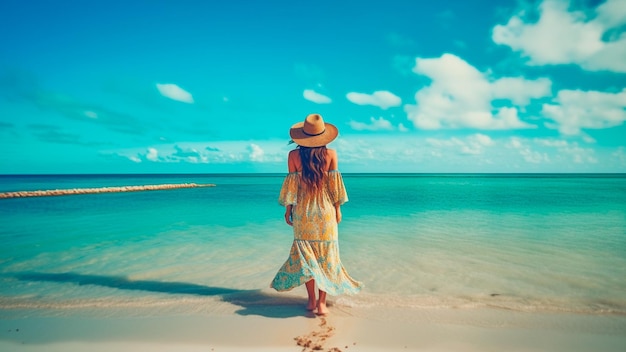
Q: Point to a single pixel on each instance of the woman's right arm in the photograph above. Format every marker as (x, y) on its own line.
(291, 166)
(333, 165)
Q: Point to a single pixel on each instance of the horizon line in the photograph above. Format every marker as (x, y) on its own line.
(283, 173)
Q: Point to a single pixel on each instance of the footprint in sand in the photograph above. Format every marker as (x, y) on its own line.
(315, 340)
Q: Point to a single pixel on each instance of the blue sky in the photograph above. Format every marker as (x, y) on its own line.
(213, 86)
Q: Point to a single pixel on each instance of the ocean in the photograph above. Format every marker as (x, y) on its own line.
(548, 243)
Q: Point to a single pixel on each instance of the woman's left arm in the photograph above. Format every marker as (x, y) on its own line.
(332, 163)
(338, 213)
(288, 218)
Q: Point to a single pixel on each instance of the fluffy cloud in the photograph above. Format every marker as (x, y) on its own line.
(559, 36)
(460, 96)
(376, 124)
(134, 158)
(316, 97)
(620, 155)
(474, 144)
(256, 152)
(527, 152)
(478, 152)
(153, 154)
(573, 110)
(520, 90)
(382, 98)
(379, 124)
(228, 152)
(554, 151)
(175, 92)
(191, 155)
(91, 114)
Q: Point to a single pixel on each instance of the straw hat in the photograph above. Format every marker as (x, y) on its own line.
(313, 132)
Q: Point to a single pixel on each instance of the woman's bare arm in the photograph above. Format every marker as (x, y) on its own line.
(292, 166)
(332, 162)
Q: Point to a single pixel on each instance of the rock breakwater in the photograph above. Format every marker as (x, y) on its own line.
(64, 192)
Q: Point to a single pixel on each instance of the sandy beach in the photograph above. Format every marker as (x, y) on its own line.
(290, 328)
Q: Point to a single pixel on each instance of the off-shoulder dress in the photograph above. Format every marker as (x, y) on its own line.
(315, 250)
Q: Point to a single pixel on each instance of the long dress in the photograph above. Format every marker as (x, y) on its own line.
(315, 250)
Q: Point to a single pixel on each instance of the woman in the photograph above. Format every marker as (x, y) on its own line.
(312, 194)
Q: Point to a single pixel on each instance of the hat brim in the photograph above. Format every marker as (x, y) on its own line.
(300, 138)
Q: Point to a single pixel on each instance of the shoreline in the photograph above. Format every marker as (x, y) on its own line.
(338, 332)
(116, 189)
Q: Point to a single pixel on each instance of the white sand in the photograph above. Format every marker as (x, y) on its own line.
(500, 331)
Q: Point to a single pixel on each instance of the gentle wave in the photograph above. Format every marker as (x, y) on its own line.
(493, 301)
(62, 192)
(362, 302)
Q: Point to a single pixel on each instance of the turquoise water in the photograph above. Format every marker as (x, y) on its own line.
(539, 243)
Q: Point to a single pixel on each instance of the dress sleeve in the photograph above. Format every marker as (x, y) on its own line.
(289, 191)
(336, 188)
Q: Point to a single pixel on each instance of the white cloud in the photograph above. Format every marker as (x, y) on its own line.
(563, 150)
(379, 124)
(460, 96)
(474, 144)
(473, 153)
(224, 152)
(382, 98)
(612, 13)
(551, 142)
(175, 92)
(256, 152)
(520, 90)
(583, 155)
(481, 139)
(527, 152)
(574, 110)
(315, 97)
(153, 154)
(620, 155)
(191, 155)
(563, 37)
(91, 114)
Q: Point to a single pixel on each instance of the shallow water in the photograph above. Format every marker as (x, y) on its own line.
(538, 243)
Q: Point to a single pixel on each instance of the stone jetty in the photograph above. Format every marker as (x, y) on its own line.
(64, 192)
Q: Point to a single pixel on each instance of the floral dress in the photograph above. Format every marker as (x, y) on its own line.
(315, 250)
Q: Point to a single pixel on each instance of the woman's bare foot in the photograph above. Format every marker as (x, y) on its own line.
(321, 308)
(311, 305)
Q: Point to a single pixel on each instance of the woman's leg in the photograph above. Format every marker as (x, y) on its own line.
(310, 290)
(321, 304)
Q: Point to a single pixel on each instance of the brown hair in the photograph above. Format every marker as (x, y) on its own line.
(313, 163)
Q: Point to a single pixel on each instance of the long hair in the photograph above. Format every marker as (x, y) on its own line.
(313, 163)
